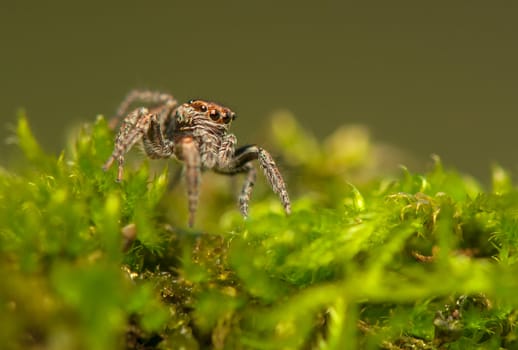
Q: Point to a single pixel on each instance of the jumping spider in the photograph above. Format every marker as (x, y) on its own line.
(195, 133)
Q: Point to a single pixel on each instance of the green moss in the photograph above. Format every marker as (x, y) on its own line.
(368, 259)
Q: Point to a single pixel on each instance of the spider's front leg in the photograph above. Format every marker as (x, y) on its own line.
(187, 151)
(228, 164)
(240, 163)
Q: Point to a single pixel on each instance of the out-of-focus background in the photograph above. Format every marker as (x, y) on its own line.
(431, 77)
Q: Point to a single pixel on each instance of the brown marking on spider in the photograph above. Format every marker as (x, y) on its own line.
(195, 133)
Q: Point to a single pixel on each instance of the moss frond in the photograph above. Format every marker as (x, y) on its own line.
(368, 259)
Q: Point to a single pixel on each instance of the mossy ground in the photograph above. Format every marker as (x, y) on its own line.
(366, 261)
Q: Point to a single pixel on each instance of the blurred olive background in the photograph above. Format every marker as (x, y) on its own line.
(431, 77)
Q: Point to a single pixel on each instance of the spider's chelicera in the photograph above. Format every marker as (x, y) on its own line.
(195, 133)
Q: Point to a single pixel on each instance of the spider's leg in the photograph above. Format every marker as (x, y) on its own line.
(246, 191)
(273, 175)
(190, 155)
(228, 164)
(248, 185)
(241, 163)
(144, 97)
(155, 144)
(133, 127)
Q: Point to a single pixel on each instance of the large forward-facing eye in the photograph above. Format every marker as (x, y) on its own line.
(214, 114)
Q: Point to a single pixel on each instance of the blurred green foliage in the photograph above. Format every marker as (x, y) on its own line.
(367, 260)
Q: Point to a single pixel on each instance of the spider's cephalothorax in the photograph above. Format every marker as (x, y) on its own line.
(195, 133)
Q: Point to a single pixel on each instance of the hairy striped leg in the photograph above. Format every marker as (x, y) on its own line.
(133, 128)
(140, 124)
(190, 155)
(240, 163)
(273, 175)
(229, 164)
(155, 144)
(248, 186)
(166, 101)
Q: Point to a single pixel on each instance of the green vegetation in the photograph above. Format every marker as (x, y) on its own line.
(367, 260)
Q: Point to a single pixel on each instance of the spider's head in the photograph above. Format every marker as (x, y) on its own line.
(197, 110)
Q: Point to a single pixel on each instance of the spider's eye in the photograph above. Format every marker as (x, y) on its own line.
(214, 115)
(198, 104)
(227, 118)
(234, 116)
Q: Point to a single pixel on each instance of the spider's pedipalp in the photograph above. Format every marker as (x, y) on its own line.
(226, 150)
